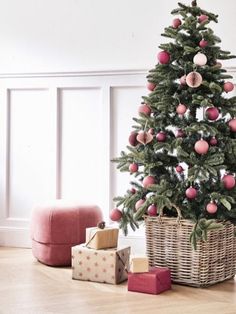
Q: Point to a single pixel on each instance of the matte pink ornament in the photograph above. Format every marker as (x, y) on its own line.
(180, 133)
(200, 59)
(152, 210)
(211, 208)
(115, 214)
(176, 23)
(203, 43)
(144, 137)
(201, 147)
(133, 167)
(182, 80)
(161, 137)
(181, 109)
(228, 181)
(133, 139)
(151, 131)
(232, 125)
(151, 86)
(179, 169)
(213, 141)
(228, 87)
(144, 109)
(202, 18)
(191, 193)
(163, 57)
(194, 79)
(139, 203)
(147, 181)
(212, 113)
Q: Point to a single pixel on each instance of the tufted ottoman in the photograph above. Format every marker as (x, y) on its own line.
(58, 225)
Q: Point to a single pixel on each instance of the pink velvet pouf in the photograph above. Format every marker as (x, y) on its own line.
(58, 225)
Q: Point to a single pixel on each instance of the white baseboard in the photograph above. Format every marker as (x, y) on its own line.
(15, 237)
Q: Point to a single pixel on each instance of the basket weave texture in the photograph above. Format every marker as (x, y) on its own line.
(168, 245)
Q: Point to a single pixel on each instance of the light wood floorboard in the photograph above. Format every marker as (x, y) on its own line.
(27, 286)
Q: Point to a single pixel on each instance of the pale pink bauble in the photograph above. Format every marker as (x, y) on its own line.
(151, 131)
(163, 57)
(147, 181)
(203, 43)
(152, 210)
(176, 23)
(115, 214)
(144, 137)
(161, 137)
(194, 79)
(144, 109)
(191, 193)
(228, 87)
(232, 125)
(201, 147)
(133, 167)
(202, 18)
(211, 208)
(212, 113)
(151, 86)
(139, 203)
(200, 59)
(228, 181)
(182, 80)
(181, 109)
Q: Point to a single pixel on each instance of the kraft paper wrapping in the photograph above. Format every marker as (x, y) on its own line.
(139, 265)
(106, 266)
(101, 238)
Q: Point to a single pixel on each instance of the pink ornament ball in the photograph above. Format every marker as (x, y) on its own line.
(182, 80)
(139, 203)
(115, 214)
(201, 147)
(212, 113)
(180, 133)
(161, 137)
(202, 18)
(228, 87)
(191, 193)
(211, 208)
(133, 167)
(200, 59)
(144, 109)
(133, 139)
(179, 169)
(147, 181)
(203, 43)
(176, 23)
(133, 191)
(181, 109)
(151, 86)
(194, 79)
(151, 131)
(152, 210)
(163, 57)
(228, 181)
(232, 125)
(213, 141)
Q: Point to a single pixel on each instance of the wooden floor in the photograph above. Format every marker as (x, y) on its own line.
(27, 286)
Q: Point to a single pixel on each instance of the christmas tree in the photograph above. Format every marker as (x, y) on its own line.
(182, 150)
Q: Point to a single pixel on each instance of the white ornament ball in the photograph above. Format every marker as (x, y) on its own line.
(200, 59)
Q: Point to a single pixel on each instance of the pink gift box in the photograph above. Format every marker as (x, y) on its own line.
(155, 281)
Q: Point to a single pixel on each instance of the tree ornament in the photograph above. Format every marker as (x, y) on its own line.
(212, 113)
(211, 208)
(163, 57)
(200, 59)
(228, 87)
(161, 137)
(203, 43)
(194, 79)
(139, 203)
(228, 181)
(115, 214)
(144, 109)
(181, 109)
(176, 23)
(151, 86)
(132, 191)
(202, 18)
(179, 169)
(180, 133)
(152, 210)
(182, 80)
(133, 167)
(147, 181)
(213, 141)
(151, 131)
(232, 125)
(133, 139)
(191, 193)
(144, 137)
(201, 147)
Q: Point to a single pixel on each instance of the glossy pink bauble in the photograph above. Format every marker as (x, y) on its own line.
(232, 125)
(181, 109)
(203, 43)
(228, 87)
(152, 210)
(211, 208)
(191, 193)
(201, 147)
(163, 57)
(213, 141)
(133, 167)
(147, 181)
(176, 23)
(151, 86)
(212, 113)
(202, 18)
(133, 139)
(161, 137)
(139, 203)
(179, 169)
(182, 80)
(228, 181)
(115, 214)
(144, 109)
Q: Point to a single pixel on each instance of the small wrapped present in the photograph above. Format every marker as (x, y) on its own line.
(97, 238)
(155, 281)
(107, 265)
(139, 264)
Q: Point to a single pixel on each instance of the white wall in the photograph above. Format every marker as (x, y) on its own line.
(78, 35)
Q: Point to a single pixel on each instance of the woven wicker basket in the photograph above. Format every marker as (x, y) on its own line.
(168, 245)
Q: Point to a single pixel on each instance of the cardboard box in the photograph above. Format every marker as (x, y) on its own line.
(97, 238)
(107, 265)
